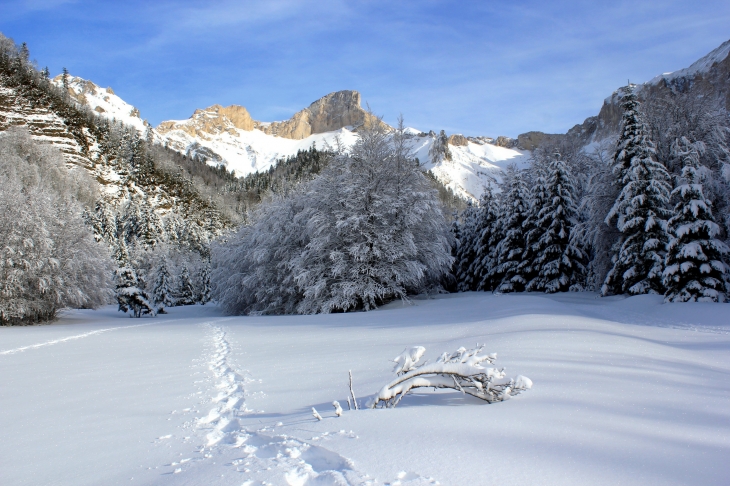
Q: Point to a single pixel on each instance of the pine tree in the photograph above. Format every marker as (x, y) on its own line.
(186, 289)
(695, 270)
(130, 296)
(560, 262)
(641, 211)
(512, 247)
(161, 292)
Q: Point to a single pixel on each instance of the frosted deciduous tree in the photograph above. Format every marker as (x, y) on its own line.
(49, 258)
(368, 230)
(695, 268)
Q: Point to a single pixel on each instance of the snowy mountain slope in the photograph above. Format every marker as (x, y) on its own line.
(701, 66)
(229, 136)
(242, 145)
(103, 101)
(626, 391)
(706, 78)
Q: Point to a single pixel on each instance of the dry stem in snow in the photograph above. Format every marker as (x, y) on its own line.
(316, 414)
(461, 370)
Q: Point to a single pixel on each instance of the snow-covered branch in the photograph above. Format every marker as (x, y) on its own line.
(461, 370)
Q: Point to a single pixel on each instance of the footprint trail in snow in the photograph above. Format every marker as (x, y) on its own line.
(237, 456)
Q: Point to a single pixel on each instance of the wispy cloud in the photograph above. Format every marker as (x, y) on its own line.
(473, 67)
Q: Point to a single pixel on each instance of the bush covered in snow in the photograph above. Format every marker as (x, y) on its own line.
(368, 230)
(461, 370)
(48, 256)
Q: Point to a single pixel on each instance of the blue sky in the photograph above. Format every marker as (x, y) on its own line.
(473, 67)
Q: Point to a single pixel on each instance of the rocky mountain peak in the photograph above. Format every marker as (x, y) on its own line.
(329, 113)
(212, 120)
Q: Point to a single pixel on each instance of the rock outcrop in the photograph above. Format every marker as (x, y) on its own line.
(212, 120)
(458, 140)
(327, 114)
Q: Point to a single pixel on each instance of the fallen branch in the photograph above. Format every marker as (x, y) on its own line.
(461, 371)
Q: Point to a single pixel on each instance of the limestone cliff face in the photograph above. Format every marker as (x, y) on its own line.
(329, 113)
(458, 140)
(212, 121)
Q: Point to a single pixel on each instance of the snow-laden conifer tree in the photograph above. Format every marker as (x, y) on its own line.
(185, 294)
(512, 246)
(130, 296)
(466, 251)
(161, 289)
(538, 198)
(558, 261)
(641, 210)
(482, 266)
(203, 296)
(695, 268)
(634, 140)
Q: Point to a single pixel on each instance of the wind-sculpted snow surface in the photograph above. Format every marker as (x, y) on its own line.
(627, 391)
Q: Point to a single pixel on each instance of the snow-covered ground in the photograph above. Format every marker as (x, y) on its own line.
(626, 391)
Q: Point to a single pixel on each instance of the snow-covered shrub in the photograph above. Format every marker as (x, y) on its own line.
(49, 258)
(461, 370)
(368, 230)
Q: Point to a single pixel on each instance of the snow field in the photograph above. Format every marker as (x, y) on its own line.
(626, 391)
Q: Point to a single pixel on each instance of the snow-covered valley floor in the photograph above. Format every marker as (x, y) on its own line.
(626, 391)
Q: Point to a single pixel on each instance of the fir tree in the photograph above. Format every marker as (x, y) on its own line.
(64, 80)
(204, 289)
(512, 247)
(161, 292)
(634, 137)
(121, 254)
(695, 270)
(560, 262)
(130, 296)
(186, 289)
(641, 211)
(466, 250)
(528, 267)
(481, 266)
